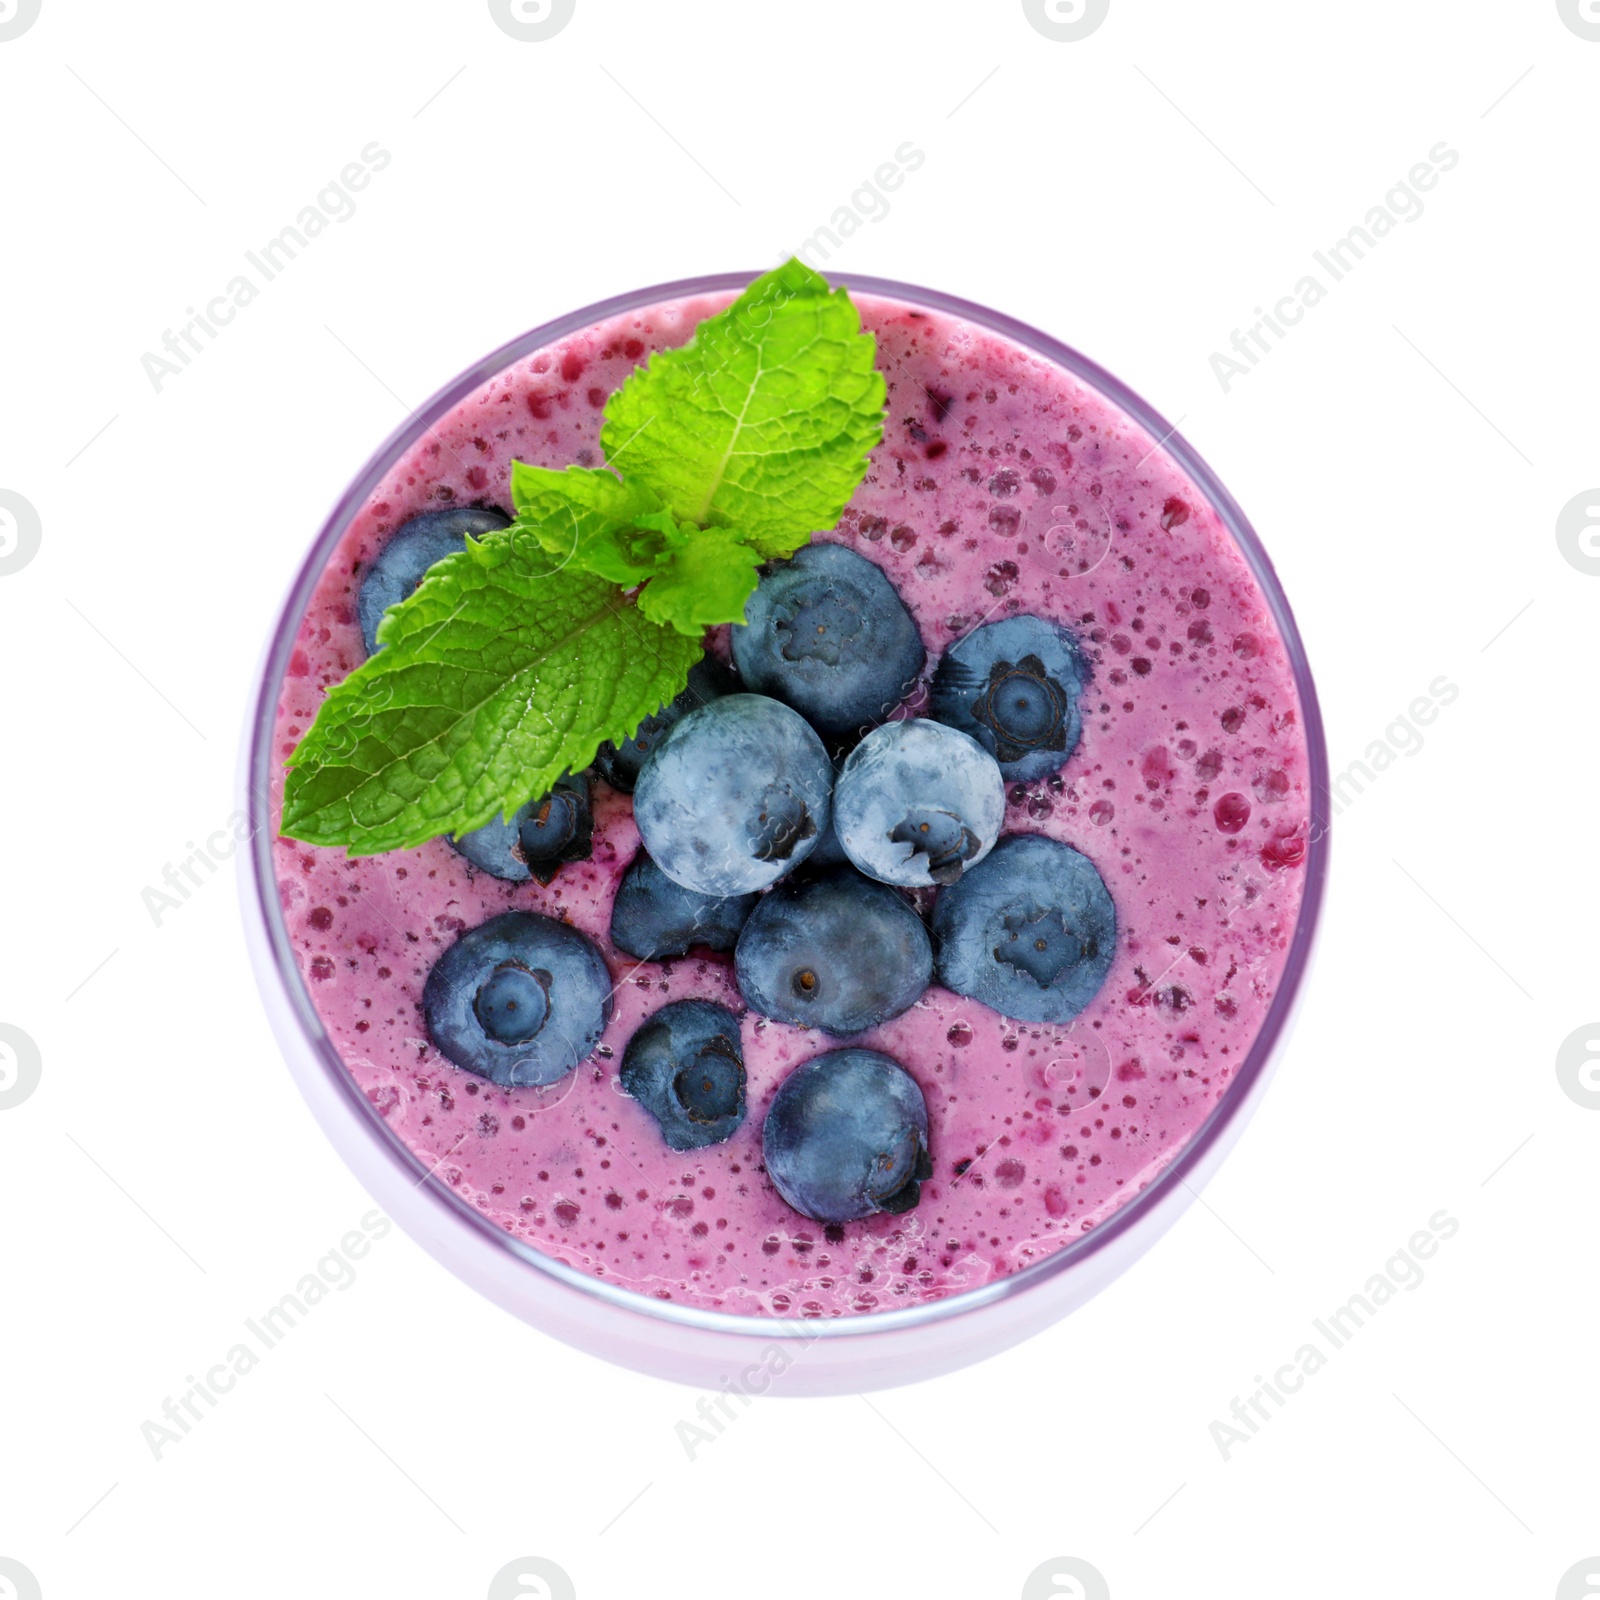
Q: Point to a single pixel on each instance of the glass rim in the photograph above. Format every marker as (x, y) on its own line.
(264, 907)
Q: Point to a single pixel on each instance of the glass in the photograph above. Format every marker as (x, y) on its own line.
(707, 1348)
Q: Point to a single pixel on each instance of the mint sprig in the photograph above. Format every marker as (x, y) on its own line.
(707, 582)
(516, 658)
(764, 420)
(497, 676)
(595, 521)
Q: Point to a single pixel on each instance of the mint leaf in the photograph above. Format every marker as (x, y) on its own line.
(595, 521)
(615, 528)
(499, 674)
(513, 660)
(708, 582)
(763, 421)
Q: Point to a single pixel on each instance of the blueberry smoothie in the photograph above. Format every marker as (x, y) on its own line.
(1013, 922)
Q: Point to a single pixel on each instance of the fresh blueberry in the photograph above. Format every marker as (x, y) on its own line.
(917, 803)
(413, 548)
(653, 918)
(1030, 931)
(828, 852)
(827, 634)
(834, 951)
(619, 764)
(734, 795)
(685, 1067)
(847, 1136)
(539, 839)
(513, 1005)
(558, 828)
(520, 1000)
(1015, 686)
(494, 848)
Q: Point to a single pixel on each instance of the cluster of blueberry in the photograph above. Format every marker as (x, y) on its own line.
(786, 815)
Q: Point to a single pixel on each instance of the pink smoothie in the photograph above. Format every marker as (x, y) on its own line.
(1002, 485)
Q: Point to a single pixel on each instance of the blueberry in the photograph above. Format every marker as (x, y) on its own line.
(513, 1005)
(520, 1000)
(734, 795)
(619, 764)
(1030, 931)
(827, 634)
(539, 839)
(654, 918)
(833, 951)
(918, 803)
(494, 848)
(828, 852)
(557, 827)
(1015, 686)
(413, 548)
(847, 1136)
(685, 1067)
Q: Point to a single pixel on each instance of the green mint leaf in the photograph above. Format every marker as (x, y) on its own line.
(513, 660)
(708, 582)
(615, 528)
(501, 672)
(763, 421)
(595, 521)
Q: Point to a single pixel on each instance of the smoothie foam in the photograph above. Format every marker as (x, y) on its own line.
(1003, 485)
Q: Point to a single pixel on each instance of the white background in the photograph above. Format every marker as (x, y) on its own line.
(1404, 454)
